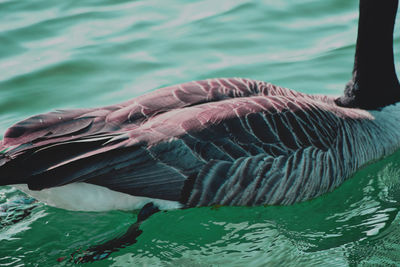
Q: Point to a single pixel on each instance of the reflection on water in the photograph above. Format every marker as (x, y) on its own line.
(79, 54)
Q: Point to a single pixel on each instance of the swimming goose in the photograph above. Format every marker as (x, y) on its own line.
(219, 141)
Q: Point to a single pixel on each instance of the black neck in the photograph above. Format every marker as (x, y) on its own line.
(374, 83)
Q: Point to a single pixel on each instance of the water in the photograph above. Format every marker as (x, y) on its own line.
(72, 54)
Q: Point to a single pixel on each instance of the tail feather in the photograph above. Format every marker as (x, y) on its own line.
(54, 135)
(3, 153)
(9, 173)
(20, 163)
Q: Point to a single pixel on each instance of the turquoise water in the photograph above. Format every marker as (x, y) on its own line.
(72, 54)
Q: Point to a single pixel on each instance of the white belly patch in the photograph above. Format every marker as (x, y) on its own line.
(89, 197)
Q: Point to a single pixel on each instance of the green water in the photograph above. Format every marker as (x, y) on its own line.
(72, 54)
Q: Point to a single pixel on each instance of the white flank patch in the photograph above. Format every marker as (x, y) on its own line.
(89, 197)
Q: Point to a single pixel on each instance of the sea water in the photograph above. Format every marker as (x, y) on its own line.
(75, 54)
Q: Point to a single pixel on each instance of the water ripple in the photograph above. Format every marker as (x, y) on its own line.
(90, 53)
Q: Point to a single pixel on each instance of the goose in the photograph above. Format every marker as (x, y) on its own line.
(226, 141)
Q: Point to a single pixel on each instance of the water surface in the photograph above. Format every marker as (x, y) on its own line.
(73, 54)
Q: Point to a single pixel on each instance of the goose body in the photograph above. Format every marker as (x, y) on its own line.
(220, 141)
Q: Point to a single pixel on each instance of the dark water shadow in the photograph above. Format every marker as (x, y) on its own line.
(16, 210)
(104, 250)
